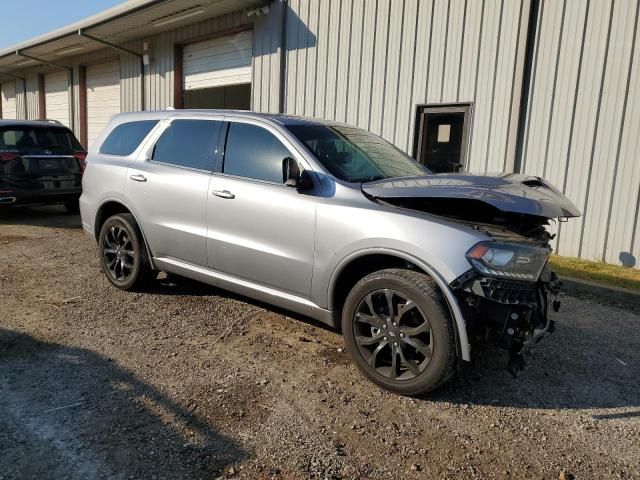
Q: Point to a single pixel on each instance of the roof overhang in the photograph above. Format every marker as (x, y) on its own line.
(131, 20)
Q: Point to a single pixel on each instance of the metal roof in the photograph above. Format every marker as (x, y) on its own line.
(130, 20)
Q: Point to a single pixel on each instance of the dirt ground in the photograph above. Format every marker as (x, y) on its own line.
(187, 381)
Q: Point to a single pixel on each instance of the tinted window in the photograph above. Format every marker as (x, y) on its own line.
(125, 138)
(356, 155)
(37, 139)
(188, 143)
(253, 152)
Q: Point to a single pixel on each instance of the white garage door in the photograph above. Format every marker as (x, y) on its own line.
(218, 62)
(56, 92)
(8, 100)
(103, 96)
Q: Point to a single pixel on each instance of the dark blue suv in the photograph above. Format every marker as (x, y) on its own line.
(41, 163)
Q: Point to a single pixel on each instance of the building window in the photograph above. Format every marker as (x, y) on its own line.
(441, 136)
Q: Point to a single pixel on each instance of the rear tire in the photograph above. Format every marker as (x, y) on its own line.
(123, 254)
(398, 329)
(72, 207)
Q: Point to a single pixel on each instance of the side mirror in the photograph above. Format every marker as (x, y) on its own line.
(293, 177)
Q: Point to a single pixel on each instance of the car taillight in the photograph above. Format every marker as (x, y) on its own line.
(81, 157)
(7, 156)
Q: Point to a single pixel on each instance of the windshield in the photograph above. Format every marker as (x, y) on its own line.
(35, 139)
(355, 155)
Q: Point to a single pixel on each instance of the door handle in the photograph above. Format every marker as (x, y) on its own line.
(223, 194)
(138, 178)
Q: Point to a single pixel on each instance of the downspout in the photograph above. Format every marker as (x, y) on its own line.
(127, 51)
(283, 57)
(57, 65)
(24, 90)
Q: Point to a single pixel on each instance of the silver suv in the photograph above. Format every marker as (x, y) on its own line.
(332, 222)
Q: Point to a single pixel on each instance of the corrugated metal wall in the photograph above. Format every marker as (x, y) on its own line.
(583, 125)
(370, 63)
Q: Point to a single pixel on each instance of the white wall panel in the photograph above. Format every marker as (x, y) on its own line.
(9, 107)
(218, 62)
(56, 88)
(103, 96)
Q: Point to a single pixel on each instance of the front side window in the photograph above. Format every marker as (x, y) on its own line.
(355, 155)
(254, 152)
(188, 143)
(125, 138)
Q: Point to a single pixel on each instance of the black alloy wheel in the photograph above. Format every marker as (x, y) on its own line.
(398, 329)
(119, 256)
(393, 334)
(123, 254)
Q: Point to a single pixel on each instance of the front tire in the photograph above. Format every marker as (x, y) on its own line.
(398, 329)
(123, 254)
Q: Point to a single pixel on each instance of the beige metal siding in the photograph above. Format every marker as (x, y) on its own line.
(56, 87)
(370, 63)
(582, 127)
(267, 51)
(9, 100)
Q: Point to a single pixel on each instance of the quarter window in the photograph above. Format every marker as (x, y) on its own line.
(254, 152)
(125, 138)
(188, 143)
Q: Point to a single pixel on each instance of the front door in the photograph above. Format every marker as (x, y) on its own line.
(260, 230)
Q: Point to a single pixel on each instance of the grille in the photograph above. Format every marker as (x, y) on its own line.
(509, 292)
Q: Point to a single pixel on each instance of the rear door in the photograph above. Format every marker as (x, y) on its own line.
(259, 229)
(169, 188)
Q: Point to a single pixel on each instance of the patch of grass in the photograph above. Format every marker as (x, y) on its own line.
(599, 272)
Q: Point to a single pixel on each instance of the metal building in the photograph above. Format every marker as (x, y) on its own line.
(545, 87)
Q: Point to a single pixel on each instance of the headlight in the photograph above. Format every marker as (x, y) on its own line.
(508, 260)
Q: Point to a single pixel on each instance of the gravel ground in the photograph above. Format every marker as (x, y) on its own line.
(187, 381)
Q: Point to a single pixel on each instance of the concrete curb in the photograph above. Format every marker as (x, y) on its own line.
(576, 287)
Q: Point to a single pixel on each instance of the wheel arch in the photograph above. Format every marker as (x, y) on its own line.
(363, 262)
(111, 207)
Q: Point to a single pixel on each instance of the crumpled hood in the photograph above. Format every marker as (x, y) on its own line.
(508, 192)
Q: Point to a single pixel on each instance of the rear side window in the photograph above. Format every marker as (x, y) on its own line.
(188, 143)
(254, 152)
(125, 138)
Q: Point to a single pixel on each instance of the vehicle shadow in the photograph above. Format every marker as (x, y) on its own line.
(583, 365)
(182, 286)
(71, 413)
(580, 366)
(45, 216)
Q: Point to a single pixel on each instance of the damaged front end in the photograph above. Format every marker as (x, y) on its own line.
(508, 308)
(509, 290)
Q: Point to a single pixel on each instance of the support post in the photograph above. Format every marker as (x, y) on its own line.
(42, 99)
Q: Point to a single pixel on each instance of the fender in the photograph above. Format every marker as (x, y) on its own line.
(125, 205)
(464, 348)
